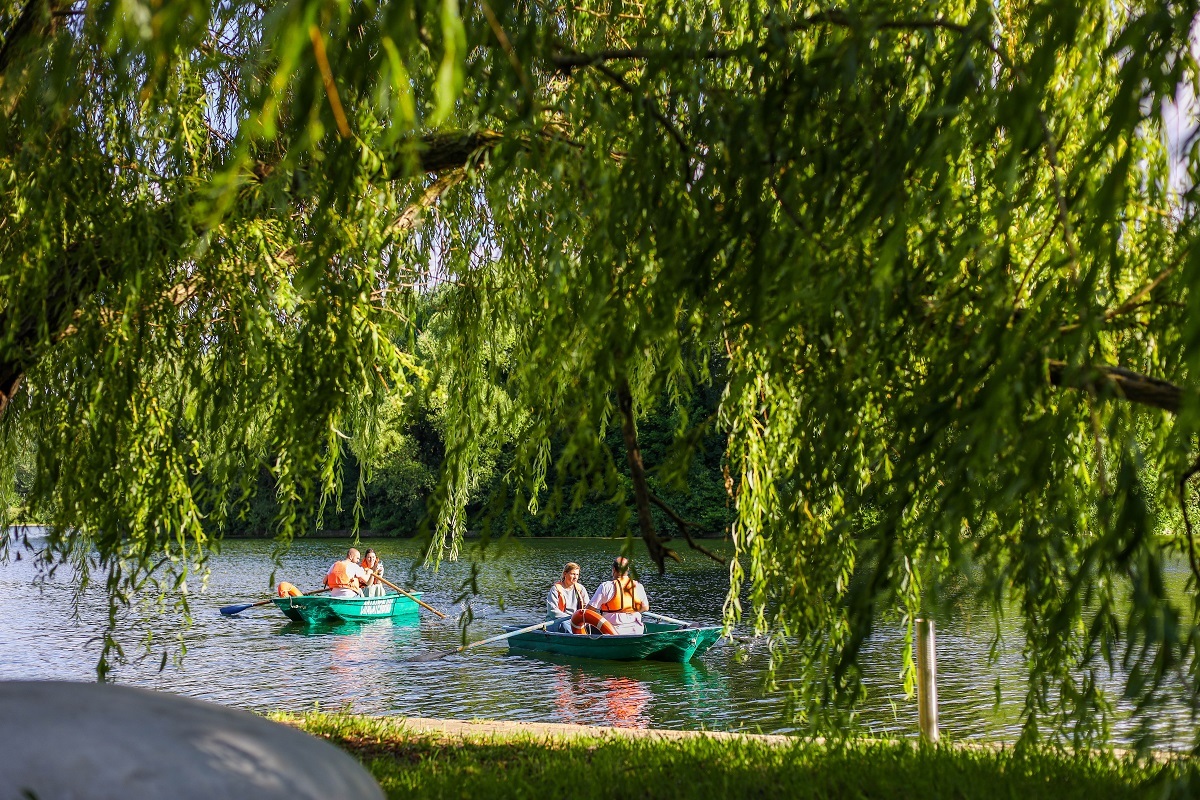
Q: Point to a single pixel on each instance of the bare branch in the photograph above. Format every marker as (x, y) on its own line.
(650, 105)
(1140, 295)
(684, 528)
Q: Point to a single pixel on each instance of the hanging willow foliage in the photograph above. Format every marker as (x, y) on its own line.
(942, 255)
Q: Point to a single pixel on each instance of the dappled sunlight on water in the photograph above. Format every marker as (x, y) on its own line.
(260, 660)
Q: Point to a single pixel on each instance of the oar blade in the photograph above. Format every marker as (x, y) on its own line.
(229, 611)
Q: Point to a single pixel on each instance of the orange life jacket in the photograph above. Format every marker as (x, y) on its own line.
(339, 576)
(562, 596)
(623, 602)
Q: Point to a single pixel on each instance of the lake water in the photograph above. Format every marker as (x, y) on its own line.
(261, 661)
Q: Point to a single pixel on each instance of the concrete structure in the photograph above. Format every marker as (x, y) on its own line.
(63, 741)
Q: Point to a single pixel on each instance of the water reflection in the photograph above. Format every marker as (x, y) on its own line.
(617, 700)
(626, 694)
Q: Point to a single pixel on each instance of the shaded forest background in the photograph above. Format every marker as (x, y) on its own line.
(389, 493)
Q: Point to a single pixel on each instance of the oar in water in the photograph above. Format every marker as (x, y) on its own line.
(229, 611)
(686, 624)
(422, 603)
(443, 654)
(667, 619)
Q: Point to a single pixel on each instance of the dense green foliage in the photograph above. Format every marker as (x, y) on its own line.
(421, 765)
(937, 248)
(397, 485)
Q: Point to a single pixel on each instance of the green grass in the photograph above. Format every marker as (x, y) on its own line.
(422, 765)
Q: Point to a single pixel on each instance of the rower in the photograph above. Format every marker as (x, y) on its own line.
(621, 600)
(346, 577)
(564, 598)
(374, 568)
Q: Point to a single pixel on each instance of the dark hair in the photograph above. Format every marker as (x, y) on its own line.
(370, 552)
(620, 565)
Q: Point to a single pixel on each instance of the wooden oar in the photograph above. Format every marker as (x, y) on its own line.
(668, 619)
(229, 611)
(422, 603)
(443, 654)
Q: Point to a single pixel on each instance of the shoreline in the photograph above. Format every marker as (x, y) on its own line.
(488, 728)
(491, 730)
(420, 757)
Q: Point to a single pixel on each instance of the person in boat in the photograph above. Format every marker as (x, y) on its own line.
(622, 600)
(565, 598)
(346, 577)
(374, 568)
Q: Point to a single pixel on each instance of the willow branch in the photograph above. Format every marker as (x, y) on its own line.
(570, 60)
(633, 92)
(442, 154)
(35, 21)
(684, 528)
(1140, 295)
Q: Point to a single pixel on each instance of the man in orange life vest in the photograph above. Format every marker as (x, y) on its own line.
(621, 600)
(564, 598)
(346, 577)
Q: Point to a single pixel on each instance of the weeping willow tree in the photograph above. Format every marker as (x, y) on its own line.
(942, 253)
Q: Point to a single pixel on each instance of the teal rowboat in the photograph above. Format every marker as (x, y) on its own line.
(660, 642)
(315, 609)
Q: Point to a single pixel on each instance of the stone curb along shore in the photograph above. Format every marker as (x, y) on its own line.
(484, 729)
(560, 730)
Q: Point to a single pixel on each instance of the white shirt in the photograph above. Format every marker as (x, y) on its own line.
(623, 622)
(572, 599)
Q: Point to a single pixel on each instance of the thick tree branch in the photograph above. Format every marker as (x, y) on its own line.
(10, 382)
(1119, 382)
(443, 152)
(411, 217)
(570, 60)
(637, 472)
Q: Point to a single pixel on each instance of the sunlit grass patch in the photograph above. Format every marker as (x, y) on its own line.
(427, 765)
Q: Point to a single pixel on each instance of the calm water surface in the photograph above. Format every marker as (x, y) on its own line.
(259, 660)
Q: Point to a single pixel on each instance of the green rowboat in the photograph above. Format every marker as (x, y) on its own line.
(315, 609)
(660, 642)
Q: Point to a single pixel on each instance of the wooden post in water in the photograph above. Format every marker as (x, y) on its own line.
(927, 712)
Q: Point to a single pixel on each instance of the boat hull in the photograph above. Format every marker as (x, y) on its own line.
(318, 609)
(659, 643)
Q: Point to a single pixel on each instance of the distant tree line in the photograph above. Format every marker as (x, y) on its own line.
(399, 481)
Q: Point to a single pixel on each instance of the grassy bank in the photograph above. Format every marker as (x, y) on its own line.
(422, 765)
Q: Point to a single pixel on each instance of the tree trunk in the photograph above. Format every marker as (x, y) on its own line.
(637, 472)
